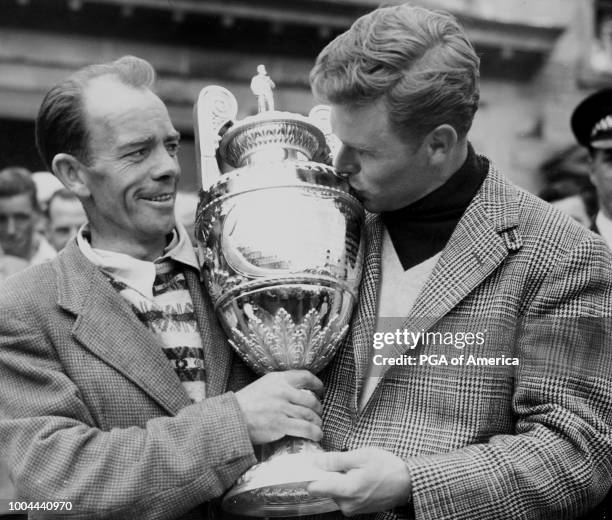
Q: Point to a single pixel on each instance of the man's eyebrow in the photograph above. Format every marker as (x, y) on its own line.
(136, 143)
(174, 136)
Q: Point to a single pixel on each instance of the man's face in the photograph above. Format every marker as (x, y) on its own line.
(601, 177)
(17, 220)
(387, 171)
(66, 216)
(134, 170)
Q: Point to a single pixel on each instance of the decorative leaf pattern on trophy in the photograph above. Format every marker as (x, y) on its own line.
(321, 353)
(283, 345)
(215, 108)
(286, 346)
(253, 349)
(311, 330)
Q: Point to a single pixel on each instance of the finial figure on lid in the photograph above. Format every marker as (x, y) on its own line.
(261, 86)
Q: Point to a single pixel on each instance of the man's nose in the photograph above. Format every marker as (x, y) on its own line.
(345, 162)
(11, 226)
(167, 166)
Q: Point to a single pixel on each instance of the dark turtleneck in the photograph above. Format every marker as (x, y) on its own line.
(422, 229)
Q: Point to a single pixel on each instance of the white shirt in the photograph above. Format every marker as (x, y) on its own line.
(397, 293)
(138, 274)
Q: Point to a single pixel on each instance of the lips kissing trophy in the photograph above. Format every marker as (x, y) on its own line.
(281, 244)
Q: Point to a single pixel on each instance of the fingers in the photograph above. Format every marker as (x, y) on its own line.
(334, 486)
(338, 460)
(302, 428)
(305, 414)
(371, 480)
(304, 379)
(306, 399)
(279, 404)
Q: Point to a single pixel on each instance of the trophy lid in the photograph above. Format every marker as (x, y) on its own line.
(270, 135)
(224, 143)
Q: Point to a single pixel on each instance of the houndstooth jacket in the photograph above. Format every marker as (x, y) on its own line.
(91, 410)
(492, 442)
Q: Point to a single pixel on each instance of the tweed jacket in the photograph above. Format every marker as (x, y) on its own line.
(532, 440)
(91, 410)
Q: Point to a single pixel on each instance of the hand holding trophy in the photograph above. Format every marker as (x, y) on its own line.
(281, 243)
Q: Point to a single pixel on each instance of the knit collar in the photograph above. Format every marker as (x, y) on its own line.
(422, 229)
(135, 273)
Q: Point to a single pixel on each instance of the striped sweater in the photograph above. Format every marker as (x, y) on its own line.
(158, 293)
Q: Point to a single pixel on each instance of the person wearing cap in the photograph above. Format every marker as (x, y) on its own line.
(476, 379)
(591, 123)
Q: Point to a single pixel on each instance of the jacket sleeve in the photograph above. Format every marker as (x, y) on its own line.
(558, 461)
(55, 451)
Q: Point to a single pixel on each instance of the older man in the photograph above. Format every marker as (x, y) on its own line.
(113, 367)
(477, 379)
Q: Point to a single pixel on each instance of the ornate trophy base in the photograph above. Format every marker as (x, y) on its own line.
(276, 487)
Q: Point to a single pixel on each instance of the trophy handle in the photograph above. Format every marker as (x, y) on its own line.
(320, 115)
(216, 106)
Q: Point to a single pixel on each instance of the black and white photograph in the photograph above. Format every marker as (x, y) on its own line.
(306, 259)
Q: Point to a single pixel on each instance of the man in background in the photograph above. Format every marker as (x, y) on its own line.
(65, 215)
(19, 213)
(591, 123)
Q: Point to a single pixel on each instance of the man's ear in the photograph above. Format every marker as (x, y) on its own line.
(441, 142)
(71, 172)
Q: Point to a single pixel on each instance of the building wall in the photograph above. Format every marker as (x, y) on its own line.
(523, 123)
(520, 122)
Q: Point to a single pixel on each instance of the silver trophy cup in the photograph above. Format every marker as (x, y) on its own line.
(281, 242)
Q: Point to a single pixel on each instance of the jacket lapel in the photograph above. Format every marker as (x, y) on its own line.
(107, 326)
(479, 244)
(364, 320)
(217, 351)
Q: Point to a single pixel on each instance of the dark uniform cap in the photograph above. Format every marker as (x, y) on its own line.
(592, 120)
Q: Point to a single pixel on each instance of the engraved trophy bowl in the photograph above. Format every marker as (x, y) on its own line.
(281, 245)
